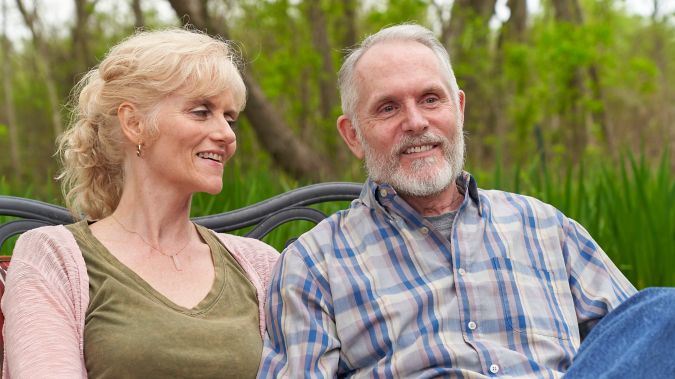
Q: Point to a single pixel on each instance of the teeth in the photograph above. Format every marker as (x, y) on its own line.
(418, 149)
(212, 156)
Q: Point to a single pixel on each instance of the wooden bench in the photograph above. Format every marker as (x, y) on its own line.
(264, 216)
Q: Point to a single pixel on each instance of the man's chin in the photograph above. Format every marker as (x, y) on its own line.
(421, 178)
(420, 189)
(416, 185)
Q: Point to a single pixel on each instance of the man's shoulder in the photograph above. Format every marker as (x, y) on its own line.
(322, 237)
(498, 202)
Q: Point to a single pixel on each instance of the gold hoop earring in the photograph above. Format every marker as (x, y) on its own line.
(138, 150)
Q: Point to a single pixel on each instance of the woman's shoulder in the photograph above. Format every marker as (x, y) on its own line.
(47, 246)
(249, 247)
(251, 252)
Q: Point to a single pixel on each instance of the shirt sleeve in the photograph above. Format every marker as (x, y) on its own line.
(41, 332)
(597, 285)
(301, 339)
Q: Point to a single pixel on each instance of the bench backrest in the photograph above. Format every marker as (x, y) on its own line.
(266, 215)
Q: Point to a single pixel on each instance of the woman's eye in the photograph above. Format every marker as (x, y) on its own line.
(200, 112)
(233, 124)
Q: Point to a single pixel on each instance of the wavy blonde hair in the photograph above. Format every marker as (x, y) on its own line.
(142, 70)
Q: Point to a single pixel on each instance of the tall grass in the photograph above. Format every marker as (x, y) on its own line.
(628, 208)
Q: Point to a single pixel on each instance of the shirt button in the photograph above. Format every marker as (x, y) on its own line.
(424, 230)
(471, 325)
(494, 369)
(461, 271)
(383, 192)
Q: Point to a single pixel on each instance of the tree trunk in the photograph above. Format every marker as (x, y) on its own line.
(598, 114)
(291, 153)
(14, 146)
(463, 13)
(468, 32)
(326, 76)
(567, 10)
(516, 26)
(660, 53)
(512, 31)
(81, 37)
(31, 20)
(139, 19)
(348, 22)
(573, 112)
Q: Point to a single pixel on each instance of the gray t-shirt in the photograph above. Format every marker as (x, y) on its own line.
(443, 223)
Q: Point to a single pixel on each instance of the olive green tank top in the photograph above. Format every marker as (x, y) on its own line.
(133, 331)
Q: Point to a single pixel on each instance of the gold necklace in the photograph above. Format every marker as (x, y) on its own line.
(174, 256)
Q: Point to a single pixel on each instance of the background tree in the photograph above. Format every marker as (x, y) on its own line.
(80, 33)
(576, 81)
(571, 101)
(293, 154)
(15, 148)
(139, 18)
(32, 20)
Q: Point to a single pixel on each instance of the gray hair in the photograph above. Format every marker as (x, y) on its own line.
(403, 32)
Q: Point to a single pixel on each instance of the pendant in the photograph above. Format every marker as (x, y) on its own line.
(176, 263)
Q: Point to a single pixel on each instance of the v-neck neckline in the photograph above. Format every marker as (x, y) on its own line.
(221, 276)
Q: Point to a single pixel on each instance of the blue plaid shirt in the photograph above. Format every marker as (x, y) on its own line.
(375, 292)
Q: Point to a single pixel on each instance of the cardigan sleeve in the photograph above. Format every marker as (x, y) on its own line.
(44, 307)
(257, 259)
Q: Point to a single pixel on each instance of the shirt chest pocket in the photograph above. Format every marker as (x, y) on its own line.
(542, 304)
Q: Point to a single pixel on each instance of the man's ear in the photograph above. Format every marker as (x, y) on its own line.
(462, 104)
(348, 132)
(127, 114)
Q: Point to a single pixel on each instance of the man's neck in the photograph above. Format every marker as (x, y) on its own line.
(445, 201)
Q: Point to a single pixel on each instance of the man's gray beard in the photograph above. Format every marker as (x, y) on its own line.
(426, 177)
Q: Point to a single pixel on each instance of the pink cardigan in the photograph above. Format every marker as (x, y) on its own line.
(47, 296)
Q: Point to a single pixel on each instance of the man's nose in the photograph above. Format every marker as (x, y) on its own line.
(415, 120)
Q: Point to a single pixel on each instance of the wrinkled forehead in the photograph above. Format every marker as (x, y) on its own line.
(389, 52)
(390, 64)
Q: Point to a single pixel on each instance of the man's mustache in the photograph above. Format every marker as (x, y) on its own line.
(427, 138)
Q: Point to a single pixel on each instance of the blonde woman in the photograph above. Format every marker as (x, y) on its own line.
(135, 289)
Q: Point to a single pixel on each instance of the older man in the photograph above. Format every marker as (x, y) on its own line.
(425, 275)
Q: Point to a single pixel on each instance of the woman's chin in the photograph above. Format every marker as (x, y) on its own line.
(213, 188)
(214, 191)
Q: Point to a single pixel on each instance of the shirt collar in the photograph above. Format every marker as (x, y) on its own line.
(381, 196)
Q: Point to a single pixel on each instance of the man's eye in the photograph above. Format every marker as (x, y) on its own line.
(388, 108)
(430, 100)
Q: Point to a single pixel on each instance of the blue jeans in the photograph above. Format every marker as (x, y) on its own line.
(636, 340)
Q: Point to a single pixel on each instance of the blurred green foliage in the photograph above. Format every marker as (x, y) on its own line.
(577, 114)
(629, 209)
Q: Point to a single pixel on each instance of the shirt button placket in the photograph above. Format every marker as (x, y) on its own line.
(494, 369)
(471, 325)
